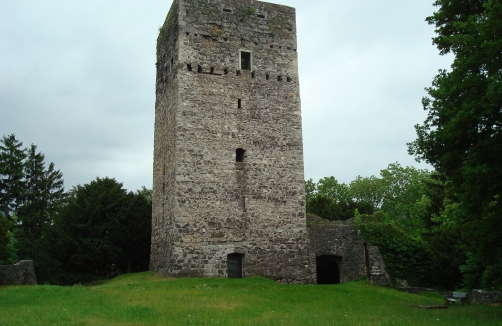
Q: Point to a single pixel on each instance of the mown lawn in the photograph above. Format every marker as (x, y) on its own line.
(148, 299)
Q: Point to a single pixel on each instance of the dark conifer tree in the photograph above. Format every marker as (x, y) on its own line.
(12, 182)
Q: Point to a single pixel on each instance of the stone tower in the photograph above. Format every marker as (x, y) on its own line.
(228, 189)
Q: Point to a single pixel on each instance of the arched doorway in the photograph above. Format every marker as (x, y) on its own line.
(234, 265)
(328, 269)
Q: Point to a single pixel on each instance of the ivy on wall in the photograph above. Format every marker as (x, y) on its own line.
(406, 258)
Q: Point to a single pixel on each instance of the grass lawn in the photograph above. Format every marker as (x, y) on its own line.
(148, 299)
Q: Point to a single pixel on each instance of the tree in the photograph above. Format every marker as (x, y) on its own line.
(331, 188)
(406, 196)
(332, 200)
(44, 193)
(136, 232)
(461, 136)
(12, 185)
(5, 226)
(368, 190)
(89, 226)
(100, 231)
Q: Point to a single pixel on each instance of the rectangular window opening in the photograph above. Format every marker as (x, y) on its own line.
(252, 74)
(227, 10)
(211, 71)
(245, 60)
(239, 103)
(260, 16)
(225, 71)
(267, 76)
(199, 69)
(238, 72)
(239, 157)
(189, 67)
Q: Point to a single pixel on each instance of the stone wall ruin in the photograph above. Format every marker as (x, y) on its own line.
(21, 273)
(341, 241)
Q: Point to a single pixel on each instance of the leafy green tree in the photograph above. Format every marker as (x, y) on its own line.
(461, 136)
(406, 196)
(331, 188)
(368, 190)
(310, 190)
(12, 185)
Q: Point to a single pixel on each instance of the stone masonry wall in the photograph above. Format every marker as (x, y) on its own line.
(340, 238)
(21, 273)
(207, 205)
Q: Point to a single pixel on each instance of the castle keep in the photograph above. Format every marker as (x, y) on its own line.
(228, 192)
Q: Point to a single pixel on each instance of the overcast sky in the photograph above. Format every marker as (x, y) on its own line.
(77, 78)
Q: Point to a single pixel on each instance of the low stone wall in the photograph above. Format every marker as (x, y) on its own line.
(21, 273)
(486, 297)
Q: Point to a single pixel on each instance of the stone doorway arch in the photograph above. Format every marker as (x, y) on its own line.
(328, 269)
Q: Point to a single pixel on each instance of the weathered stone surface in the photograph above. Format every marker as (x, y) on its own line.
(21, 273)
(486, 297)
(207, 204)
(341, 239)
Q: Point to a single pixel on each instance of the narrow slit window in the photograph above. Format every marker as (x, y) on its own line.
(260, 16)
(189, 67)
(267, 76)
(199, 69)
(225, 71)
(239, 103)
(240, 155)
(227, 10)
(238, 72)
(245, 60)
(244, 209)
(211, 71)
(252, 74)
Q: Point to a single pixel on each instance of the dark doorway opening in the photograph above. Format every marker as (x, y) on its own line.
(234, 264)
(328, 269)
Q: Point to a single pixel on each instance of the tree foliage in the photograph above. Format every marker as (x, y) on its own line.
(5, 226)
(461, 136)
(101, 231)
(43, 194)
(12, 182)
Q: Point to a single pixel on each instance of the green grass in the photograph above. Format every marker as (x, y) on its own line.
(148, 299)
